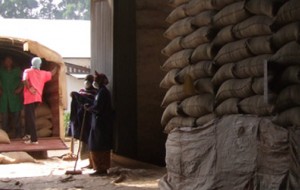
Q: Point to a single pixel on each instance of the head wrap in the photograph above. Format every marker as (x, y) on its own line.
(36, 63)
(100, 78)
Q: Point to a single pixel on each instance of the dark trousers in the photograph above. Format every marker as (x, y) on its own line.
(15, 121)
(29, 110)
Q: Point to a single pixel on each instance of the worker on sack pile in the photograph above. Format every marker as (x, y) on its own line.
(34, 81)
(10, 95)
(100, 139)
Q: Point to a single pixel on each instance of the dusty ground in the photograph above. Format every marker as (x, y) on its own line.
(49, 174)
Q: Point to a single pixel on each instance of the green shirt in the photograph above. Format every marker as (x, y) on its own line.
(10, 81)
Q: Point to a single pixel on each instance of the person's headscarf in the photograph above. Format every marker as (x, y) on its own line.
(99, 80)
(36, 62)
(88, 81)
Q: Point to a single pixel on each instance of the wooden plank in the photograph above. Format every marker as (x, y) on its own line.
(44, 145)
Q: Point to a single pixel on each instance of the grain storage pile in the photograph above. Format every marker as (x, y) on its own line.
(237, 126)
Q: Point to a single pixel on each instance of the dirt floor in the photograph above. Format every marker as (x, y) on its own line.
(49, 174)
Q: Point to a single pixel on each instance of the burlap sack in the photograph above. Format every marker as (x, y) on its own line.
(256, 105)
(286, 34)
(200, 70)
(200, 36)
(16, 157)
(203, 52)
(44, 132)
(266, 7)
(175, 3)
(288, 117)
(205, 119)
(258, 84)
(177, 14)
(288, 97)
(180, 122)
(4, 139)
(176, 93)
(224, 36)
(204, 18)
(178, 60)
(235, 88)
(289, 12)
(220, 4)
(204, 85)
(170, 112)
(41, 123)
(291, 75)
(173, 47)
(289, 54)
(180, 28)
(169, 80)
(251, 67)
(231, 14)
(232, 52)
(198, 105)
(228, 107)
(260, 45)
(224, 73)
(253, 26)
(195, 7)
(43, 110)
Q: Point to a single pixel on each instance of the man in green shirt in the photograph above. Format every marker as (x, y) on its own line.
(10, 95)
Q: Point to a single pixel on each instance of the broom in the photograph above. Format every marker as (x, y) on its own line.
(74, 171)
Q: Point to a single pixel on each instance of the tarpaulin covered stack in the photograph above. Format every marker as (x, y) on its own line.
(251, 140)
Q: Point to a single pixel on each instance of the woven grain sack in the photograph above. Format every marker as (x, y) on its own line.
(286, 34)
(224, 73)
(4, 139)
(231, 14)
(44, 132)
(260, 45)
(228, 107)
(289, 54)
(203, 52)
(291, 75)
(220, 4)
(41, 123)
(224, 36)
(195, 7)
(232, 52)
(289, 12)
(253, 26)
(177, 14)
(204, 85)
(169, 80)
(178, 60)
(288, 97)
(256, 105)
(200, 70)
(170, 112)
(16, 157)
(200, 36)
(180, 28)
(176, 3)
(176, 93)
(288, 117)
(235, 88)
(198, 105)
(173, 47)
(204, 18)
(180, 122)
(251, 67)
(266, 7)
(258, 84)
(43, 110)
(205, 119)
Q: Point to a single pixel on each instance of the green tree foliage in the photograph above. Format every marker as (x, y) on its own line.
(18, 9)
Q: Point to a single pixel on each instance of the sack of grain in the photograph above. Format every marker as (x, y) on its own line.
(198, 105)
(235, 88)
(43, 110)
(204, 18)
(224, 73)
(169, 80)
(41, 123)
(4, 139)
(204, 85)
(260, 45)
(173, 47)
(170, 112)
(266, 7)
(231, 14)
(177, 14)
(288, 97)
(251, 67)
(200, 70)
(180, 122)
(176, 3)
(203, 52)
(195, 7)
(232, 52)
(291, 75)
(176, 93)
(224, 36)
(258, 84)
(289, 54)
(44, 132)
(220, 4)
(286, 34)
(256, 105)
(16, 157)
(289, 12)
(228, 107)
(178, 60)
(200, 36)
(205, 119)
(288, 117)
(253, 26)
(180, 28)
